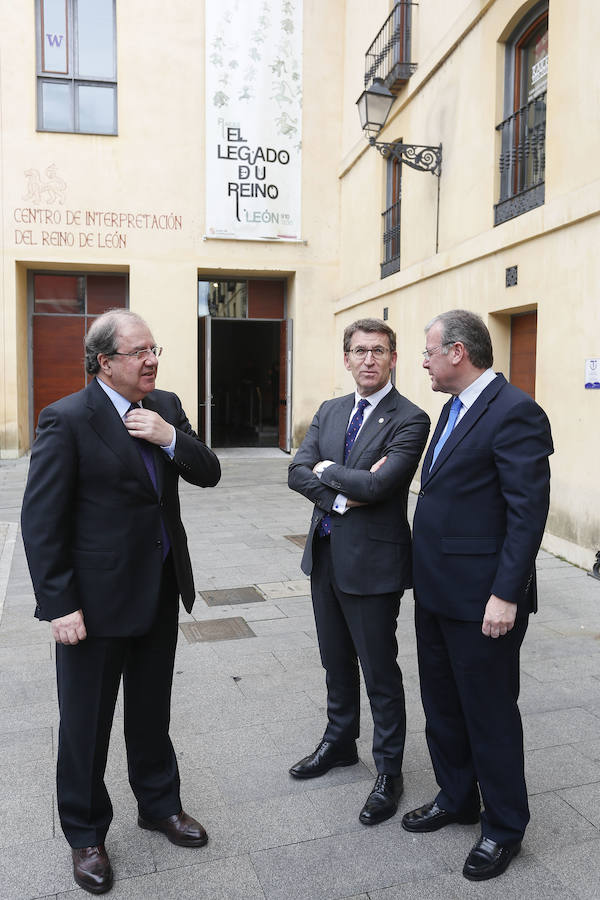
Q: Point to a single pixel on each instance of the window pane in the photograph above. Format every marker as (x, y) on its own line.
(228, 299)
(536, 63)
(105, 292)
(96, 109)
(54, 36)
(57, 106)
(58, 294)
(95, 39)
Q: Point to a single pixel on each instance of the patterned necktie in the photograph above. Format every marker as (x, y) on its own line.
(147, 454)
(454, 411)
(353, 429)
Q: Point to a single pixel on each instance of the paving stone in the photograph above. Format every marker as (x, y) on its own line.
(338, 866)
(26, 820)
(299, 606)
(10, 656)
(552, 768)
(25, 745)
(285, 625)
(283, 589)
(586, 800)
(234, 878)
(562, 819)
(24, 777)
(561, 726)
(35, 870)
(255, 779)
(577, 868)
(524, 880)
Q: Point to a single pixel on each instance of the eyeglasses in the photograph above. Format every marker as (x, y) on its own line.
(141, 354)
(427, 354)
(363, 352)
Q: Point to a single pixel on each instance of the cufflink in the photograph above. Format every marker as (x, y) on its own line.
(381, 421)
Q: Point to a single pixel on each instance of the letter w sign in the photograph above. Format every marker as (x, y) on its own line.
(55, 40)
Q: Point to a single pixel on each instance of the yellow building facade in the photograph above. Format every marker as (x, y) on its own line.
(506, 225)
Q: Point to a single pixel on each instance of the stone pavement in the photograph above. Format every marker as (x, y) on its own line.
(244, 709)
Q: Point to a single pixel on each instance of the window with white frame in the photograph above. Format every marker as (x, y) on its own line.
(77, 66)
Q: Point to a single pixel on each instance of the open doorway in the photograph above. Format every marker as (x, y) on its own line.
(244, 364)
(245, 383)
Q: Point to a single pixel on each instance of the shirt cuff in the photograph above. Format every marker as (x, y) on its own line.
(318, 470)
(170, 448)
(339, 504)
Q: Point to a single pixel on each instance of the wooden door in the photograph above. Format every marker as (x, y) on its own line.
(523, 340)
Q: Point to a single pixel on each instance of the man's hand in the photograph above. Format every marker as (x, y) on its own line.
(69, 629)
(377, 465)
(146, 424)
(499, 617)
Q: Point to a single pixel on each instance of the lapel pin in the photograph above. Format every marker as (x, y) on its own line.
(381, 421)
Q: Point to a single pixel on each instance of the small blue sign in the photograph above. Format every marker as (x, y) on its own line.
(592, 374)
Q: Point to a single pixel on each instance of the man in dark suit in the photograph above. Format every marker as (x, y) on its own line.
(478, 525)
(108, 558)
(356, 464)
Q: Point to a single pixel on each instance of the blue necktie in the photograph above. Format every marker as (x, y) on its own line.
(147, 454)
(353, 429)
(454, 411)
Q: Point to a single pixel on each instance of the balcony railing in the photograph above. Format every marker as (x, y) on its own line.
(522, 160)
(388, 57)
(391, 240)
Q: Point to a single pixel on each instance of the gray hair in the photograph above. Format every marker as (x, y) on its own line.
(369, 326)
(470, 329)
(102, 336)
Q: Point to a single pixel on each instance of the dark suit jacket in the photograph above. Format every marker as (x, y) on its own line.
(370, 545)
(91, 517)
(482, 509)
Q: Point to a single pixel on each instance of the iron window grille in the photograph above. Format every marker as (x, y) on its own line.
(522, 160)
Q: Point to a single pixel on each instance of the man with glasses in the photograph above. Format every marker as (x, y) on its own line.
(356, 464)
(108, 558)
(477, 529)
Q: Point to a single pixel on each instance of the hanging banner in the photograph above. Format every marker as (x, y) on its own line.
(253, 119)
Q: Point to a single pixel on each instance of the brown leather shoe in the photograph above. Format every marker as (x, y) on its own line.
(180, 829)
(91, 869)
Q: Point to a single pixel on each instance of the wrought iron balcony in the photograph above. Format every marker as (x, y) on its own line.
(391, 240)
(522, 160)
(388, 57)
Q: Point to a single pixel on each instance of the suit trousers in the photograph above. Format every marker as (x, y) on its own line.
(353, 628)
(470, 688)
(88, 675)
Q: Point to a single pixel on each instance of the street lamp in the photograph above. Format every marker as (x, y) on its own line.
(374, 106)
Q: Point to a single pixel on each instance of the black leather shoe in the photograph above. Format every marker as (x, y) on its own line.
(92, 869)
(181, 829)
(327, 756)
(431, 817)
(382, 802)
(488, 859)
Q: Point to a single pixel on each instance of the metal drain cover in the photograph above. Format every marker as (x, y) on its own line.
(216, 630)
(298, 539)
(232, 596)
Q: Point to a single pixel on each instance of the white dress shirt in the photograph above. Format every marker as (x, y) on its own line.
(121, 404)
(471, 393)
(340, 502)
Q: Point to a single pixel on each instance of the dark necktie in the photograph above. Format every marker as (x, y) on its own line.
(147, 453)
(454, 411)
(353, 429)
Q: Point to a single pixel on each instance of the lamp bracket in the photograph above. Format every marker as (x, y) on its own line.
(417, 156)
